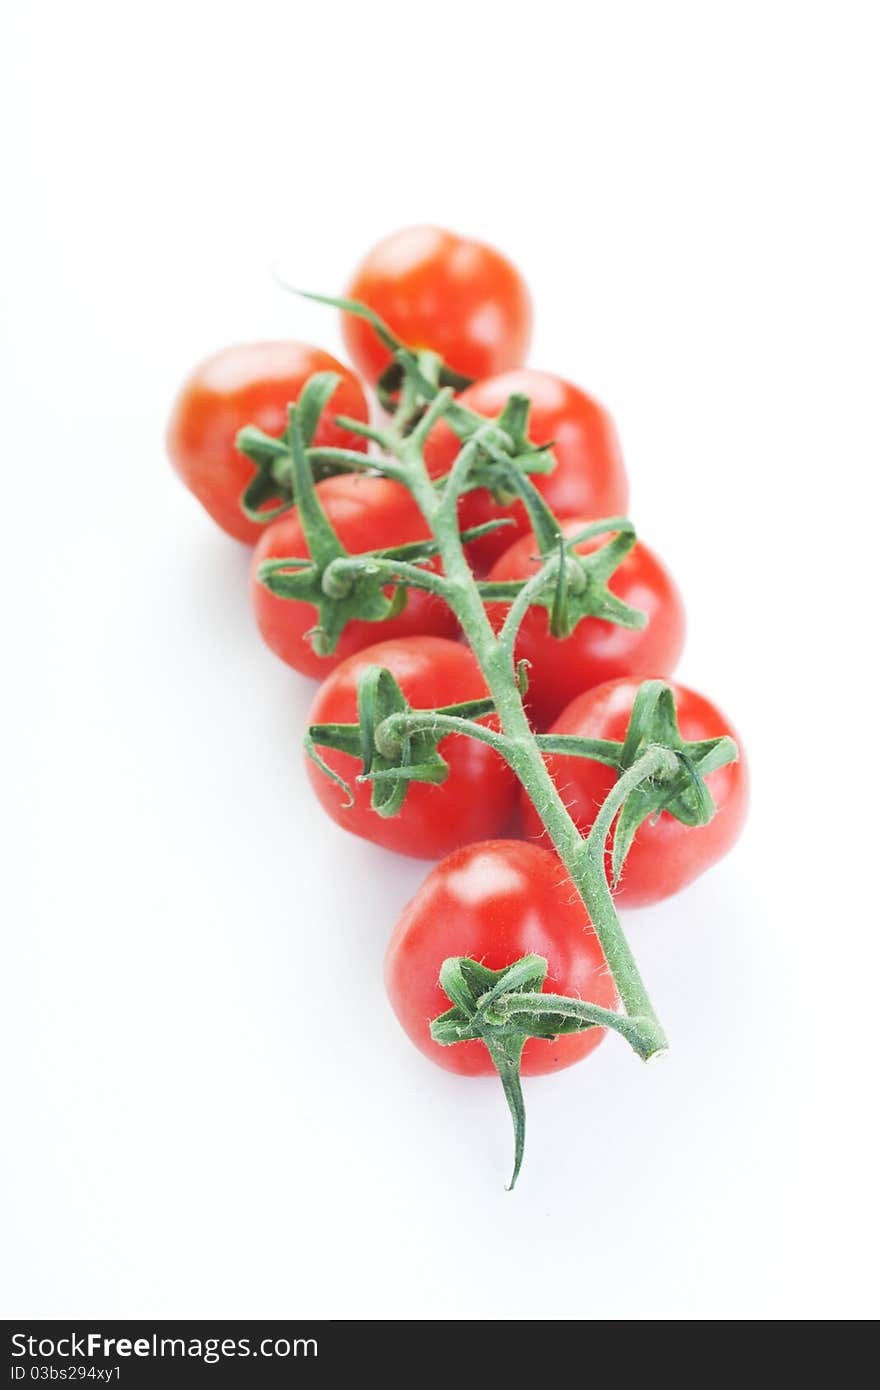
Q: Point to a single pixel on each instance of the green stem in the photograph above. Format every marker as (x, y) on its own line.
(397, 571)
(599, 750)
(433, 723)
(597, 894)
(526, 596)
(538, 1006)
(350, 461)
(656, 769)
(585, 865)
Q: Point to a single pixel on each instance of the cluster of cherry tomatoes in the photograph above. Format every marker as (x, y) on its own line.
(499, 893)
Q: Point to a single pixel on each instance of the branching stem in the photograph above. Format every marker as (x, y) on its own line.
(584, 860)
(656, 769)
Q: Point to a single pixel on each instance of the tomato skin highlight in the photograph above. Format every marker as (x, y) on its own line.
(478, 798)
(496, 902)
(589, 478)
(665, 856)
(367, 513)
(250, 384)
(437, 290)
(596, 651)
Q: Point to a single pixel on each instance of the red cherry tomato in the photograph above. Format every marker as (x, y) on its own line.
(479, 795)
(665, 855)
(367, 514)
(589, 478)
(596, 650)
(436, 290)
(251, 384)
(496, 902)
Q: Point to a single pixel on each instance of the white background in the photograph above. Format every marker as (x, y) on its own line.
(210, 1109)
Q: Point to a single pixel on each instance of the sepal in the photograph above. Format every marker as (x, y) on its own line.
(503, 1009)
(273, 457)
(682, 792)
(391, 756)
(582, 588)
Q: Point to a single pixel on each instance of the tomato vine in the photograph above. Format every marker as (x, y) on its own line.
(397, 745)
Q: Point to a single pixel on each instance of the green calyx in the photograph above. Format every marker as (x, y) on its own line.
(395, 744)
(506, 453)
(342, 587)
(503, 1008)
(473, 990)
(273, 458)
(657, 770)
(681, 788)
(337, 597)
(572, 586)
